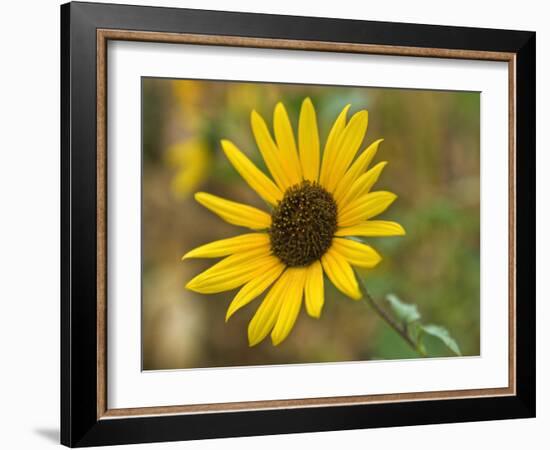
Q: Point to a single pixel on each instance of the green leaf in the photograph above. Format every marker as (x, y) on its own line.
(405, 312)
(442, 334)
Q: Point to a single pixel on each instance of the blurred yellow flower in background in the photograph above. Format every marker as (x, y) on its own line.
(316, 206)
(246, 96)
(191, 158)
(188, 94)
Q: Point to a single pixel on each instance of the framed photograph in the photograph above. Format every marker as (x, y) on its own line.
(276, 224)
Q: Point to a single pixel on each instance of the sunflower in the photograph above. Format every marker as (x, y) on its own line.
(316, 208)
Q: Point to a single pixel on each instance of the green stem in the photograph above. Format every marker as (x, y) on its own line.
(387, 318)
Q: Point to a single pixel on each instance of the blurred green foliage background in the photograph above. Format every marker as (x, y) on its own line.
(432, 145)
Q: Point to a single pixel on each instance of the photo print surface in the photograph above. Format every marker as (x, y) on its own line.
(288, 224)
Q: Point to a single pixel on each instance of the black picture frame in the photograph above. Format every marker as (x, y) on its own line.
(80, 425)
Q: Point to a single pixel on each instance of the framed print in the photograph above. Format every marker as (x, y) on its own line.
(276, 224)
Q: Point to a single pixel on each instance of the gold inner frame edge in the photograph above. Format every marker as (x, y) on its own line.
(103, 36)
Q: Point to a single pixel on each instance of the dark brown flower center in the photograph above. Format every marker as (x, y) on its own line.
(303, 224)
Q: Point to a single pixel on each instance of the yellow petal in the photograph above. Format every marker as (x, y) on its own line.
(265, 317)
(230, 274)
(331, 150)
(235, 213)
(287, 144)
(356, 253)
(365, 207)
(255, 178)
(254, 288)
(362, 185)
(237, 258)
(314, 290)
(308, 136)
(340, 273)
(347, 147)
(291, 306)
(229, 246)
(269, 151)
(373, 228)
(356, 169)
